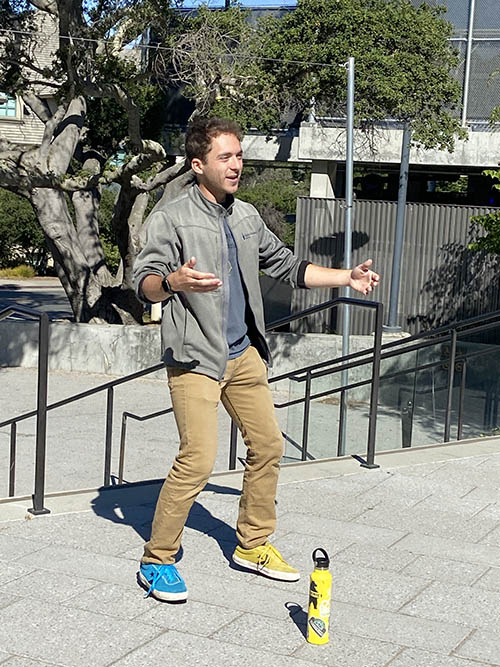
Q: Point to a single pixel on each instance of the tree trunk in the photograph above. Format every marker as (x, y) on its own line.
(91, 301)
(86, 204)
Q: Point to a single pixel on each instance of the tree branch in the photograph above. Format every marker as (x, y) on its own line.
(166, 176)
(37, 105)
(49, 6)
(67, 136)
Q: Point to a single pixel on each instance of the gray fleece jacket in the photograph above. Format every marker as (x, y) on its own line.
(194, 324)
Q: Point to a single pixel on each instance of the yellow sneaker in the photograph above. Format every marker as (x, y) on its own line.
(266, 560)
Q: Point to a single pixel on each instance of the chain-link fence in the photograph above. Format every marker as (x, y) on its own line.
(484, 69)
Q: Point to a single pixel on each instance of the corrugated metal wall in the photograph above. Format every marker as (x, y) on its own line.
(441, 280)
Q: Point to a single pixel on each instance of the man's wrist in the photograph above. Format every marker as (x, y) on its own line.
(166, 286)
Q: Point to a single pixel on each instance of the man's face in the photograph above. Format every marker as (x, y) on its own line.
(219, 174)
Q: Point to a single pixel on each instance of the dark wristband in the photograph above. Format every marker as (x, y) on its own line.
(166, 285)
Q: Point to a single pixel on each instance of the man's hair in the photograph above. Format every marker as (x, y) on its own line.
(202, 130)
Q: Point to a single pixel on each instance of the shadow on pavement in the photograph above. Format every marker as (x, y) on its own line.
(298, 616)
(134, 506)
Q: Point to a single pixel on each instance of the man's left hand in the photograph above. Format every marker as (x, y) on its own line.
(362, 278)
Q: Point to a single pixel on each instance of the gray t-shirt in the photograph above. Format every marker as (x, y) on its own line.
(237, 330)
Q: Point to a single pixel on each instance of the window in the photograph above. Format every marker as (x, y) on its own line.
(8, 106)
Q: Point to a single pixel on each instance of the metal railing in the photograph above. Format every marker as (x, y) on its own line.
(277, 324)
(373, 355)
(40, 412)
(43, 408)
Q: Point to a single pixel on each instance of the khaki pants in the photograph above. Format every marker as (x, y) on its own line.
(245, 393)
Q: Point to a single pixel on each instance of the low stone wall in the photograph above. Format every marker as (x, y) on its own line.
(120, 350)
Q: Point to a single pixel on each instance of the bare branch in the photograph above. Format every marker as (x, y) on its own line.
(165, 177)
(38, 105)
(49, 6)
(63, 146)
(50, 127)
(126, 102)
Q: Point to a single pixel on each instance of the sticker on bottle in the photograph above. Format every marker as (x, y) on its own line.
(318, 626)
(324, 608)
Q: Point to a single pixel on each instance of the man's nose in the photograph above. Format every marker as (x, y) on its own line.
(235, 163)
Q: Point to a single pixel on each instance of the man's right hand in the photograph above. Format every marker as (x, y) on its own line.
(187, 279)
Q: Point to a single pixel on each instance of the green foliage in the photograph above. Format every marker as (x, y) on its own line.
(459, 185)
(106, 232)
(274, 194)
(20, 235)
(489, 222)
(403, 63)
(491, 225)
(21, 271)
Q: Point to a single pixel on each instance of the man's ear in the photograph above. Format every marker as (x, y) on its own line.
(197, 165)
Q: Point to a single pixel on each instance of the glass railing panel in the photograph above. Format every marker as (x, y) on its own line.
(476, 386)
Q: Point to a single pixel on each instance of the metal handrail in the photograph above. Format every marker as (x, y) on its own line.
(353, 360)
(41, 411)
(276, 324)
(42, 407)
(370, 355)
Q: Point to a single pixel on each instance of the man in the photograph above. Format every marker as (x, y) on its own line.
(202, 256)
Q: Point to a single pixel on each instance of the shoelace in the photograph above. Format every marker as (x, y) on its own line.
(266, 554)
(162, 571)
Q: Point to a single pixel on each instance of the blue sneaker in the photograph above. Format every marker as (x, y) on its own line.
(163, 582)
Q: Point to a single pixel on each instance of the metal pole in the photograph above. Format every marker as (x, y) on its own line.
(468, 58)
(305, 425)
(109, 437)
(121, 463)
(372, 426)
(41, 417)
(12, 460)
(449, 395)
(392, 322)
(461, 400)
(349, 178)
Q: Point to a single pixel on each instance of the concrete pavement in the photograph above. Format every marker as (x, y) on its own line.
(415, 549)
(44, 294)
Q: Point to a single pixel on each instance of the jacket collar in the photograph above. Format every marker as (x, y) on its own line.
(210, 207)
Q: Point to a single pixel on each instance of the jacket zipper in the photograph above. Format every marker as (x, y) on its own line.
(225, 284)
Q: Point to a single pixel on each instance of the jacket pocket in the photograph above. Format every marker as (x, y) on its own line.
(248, 235)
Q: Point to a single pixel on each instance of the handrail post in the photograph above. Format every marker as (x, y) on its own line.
(41, 417)
(372, 426)
(12, 459)
(342, 429)
(123, 436)
(305, 424)
(461, 400)
(449, 397)
(109, 437)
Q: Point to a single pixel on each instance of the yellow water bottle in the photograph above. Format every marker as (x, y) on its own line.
(320, 591)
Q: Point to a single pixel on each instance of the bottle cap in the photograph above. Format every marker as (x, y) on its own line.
(321, 562)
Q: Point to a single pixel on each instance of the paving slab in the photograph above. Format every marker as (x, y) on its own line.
(450, 571)
(46, 585)
(401, 595)
(18, 661)
(439, 636)
(344, 650)
(180, 648)
(416, 658)
(432, 521)
(65, 636)
(471, 607)
(481, 646)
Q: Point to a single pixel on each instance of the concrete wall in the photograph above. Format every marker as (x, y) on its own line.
(481, 149)
(120, 350)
